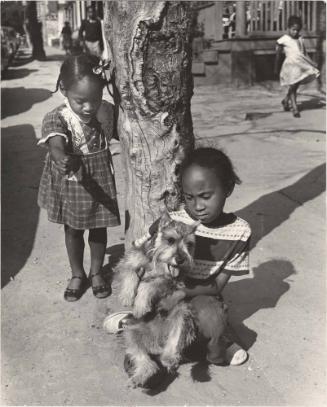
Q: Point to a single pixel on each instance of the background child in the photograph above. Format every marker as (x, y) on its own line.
(66, 34)
(77, 187)
(90, 33)
(221, 248)
(297, 68)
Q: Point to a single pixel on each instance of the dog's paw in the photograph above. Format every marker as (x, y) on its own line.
(170, 362)
(144, 374)
(140, 311)
(126, 302)
(130, 384)
(128, 289)
(127, 298)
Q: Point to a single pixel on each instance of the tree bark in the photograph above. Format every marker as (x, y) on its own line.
(150, 43)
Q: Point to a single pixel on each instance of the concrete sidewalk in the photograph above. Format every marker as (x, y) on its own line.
(56, 353)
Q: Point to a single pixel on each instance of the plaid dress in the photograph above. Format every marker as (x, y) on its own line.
(85, 199)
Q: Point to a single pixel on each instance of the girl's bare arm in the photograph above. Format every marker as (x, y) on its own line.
(57, 151)
(212, 287)
(57, 148)
(278, 59)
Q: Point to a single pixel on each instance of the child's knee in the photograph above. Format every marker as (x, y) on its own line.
(73, 233)
(211, 316)
(98, 235)
(216, 351)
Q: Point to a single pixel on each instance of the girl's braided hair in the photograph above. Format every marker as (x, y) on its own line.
(215, 160)
(76, 67)
(294, 20)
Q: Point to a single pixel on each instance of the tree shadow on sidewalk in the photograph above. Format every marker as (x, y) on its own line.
(115, 253)
(264, 215)
(261, 291)
(21, 167)
(17, 73)
(19, 100)
(275, 132)
(310, 104)
(321, 97)
(271, 210)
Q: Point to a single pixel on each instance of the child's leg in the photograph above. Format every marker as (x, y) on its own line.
(293, 90)
(98, 243)
(75, 248)
(235, 354)
(286, 100)
(211, 321)
(213, 326)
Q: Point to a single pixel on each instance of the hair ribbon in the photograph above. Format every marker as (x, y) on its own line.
(101, 68)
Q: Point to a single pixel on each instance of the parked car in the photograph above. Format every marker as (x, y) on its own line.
(5, 56)
(9, 45)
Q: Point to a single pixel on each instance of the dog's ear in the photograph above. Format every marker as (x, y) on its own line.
(165, 218)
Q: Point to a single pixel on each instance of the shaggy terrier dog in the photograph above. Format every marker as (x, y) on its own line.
(152, 275)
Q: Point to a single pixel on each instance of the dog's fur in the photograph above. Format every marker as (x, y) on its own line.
(151, 273)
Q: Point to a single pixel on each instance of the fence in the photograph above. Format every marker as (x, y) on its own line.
(266, 18)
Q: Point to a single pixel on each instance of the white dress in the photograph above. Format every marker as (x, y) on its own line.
(298, 67)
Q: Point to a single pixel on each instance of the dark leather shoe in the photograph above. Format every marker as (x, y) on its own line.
(100, 291)
(74, 294)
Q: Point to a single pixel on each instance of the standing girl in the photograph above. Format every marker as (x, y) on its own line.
(297, 68)
(77, 187)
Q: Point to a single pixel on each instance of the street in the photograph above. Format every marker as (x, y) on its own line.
(57, 353)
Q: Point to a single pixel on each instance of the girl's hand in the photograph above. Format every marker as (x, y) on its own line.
(57, 151)
(72, 164)
(68, 164)
(62, 165)
(210, 287)
(169, 302)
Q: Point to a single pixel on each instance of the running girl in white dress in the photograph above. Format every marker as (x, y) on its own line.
(297, 68)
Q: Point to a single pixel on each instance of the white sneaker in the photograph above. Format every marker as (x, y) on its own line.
(235, 355)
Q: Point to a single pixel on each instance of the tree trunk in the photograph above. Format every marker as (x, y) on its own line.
(34, 28)
(150, 43)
